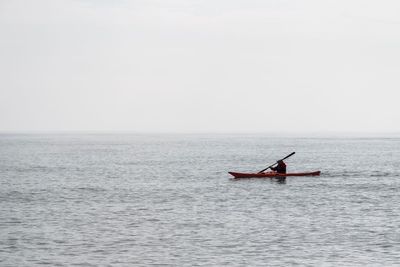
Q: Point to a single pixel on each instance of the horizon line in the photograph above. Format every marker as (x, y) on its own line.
(268, 133)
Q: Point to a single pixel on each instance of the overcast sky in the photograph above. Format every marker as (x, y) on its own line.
(200, 65)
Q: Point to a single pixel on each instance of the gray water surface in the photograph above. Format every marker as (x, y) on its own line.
(147, 200)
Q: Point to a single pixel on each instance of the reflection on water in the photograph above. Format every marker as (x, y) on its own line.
(281, 180)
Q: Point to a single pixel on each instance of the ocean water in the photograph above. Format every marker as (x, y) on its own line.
(167, 200)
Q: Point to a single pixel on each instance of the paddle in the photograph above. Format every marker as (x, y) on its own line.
(291, 154)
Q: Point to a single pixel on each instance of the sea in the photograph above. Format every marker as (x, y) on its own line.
(168, 200)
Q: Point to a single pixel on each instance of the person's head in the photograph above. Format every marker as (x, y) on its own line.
(280, 161)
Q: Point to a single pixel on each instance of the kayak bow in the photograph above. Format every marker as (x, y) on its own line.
(272, 174)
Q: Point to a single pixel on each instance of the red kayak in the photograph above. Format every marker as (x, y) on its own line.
(272, 174)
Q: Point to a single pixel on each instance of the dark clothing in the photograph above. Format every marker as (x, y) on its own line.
(281, 168)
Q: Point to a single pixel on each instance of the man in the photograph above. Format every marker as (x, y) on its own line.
(281, 168)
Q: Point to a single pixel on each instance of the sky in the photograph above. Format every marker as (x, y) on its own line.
(200, 65)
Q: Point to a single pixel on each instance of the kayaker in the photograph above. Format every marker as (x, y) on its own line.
(281, 168)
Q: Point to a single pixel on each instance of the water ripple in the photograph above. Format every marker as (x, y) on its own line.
(135, 200)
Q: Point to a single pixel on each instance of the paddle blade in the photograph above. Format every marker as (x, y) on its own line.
(291, 154)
